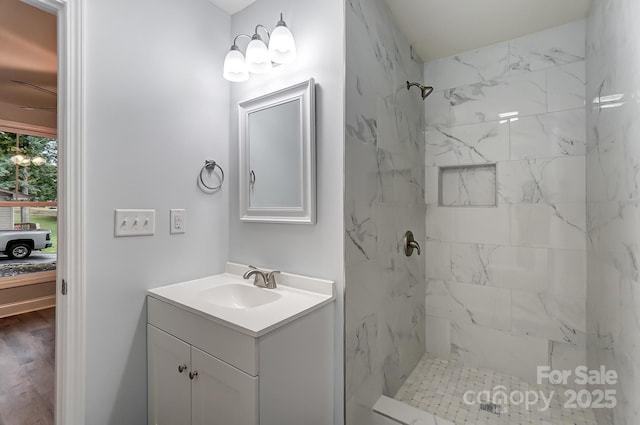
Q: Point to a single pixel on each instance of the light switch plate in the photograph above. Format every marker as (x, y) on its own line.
(177, 221)
(135, 222)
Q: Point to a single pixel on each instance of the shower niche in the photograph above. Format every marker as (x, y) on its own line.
(467, 186)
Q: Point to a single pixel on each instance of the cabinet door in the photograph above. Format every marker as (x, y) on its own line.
(222, 394)
(169, 389)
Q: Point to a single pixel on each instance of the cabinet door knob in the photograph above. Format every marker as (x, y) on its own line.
(182, 368)
(193, 375)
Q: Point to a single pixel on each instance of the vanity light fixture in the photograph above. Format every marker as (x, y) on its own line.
(258, 61)
(259, 57)
(282, 47)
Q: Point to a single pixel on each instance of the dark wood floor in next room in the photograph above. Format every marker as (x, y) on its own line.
(27, 372)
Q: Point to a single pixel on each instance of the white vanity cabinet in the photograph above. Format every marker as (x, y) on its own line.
(188, 386)
(168, 360)
(207, 371)
(221, 394)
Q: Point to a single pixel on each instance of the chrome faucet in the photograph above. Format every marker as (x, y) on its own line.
(261, 278)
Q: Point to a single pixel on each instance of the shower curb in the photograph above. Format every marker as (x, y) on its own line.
(404, 414)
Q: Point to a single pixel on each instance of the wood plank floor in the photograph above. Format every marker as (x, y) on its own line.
(27, 368)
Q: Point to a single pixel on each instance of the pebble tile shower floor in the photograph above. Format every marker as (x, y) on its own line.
(438, 386)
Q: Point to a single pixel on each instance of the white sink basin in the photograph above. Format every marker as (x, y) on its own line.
(239, 296)
(235, 302)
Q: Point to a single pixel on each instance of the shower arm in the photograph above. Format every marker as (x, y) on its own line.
(425, 90)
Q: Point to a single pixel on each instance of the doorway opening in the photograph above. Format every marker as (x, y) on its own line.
(28, 196)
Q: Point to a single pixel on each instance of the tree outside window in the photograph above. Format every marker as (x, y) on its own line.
(39, 182)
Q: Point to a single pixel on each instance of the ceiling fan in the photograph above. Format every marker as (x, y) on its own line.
(36, 87)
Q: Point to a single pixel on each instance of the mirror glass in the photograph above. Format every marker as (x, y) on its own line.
(274, 156)
(277, 156)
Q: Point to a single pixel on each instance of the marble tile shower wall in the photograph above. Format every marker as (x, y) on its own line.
(506, 285)
(384, 197)
(613, 201)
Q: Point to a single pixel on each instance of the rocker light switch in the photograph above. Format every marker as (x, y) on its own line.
(135, 223)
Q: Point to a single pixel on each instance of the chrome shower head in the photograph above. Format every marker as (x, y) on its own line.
(425, 90)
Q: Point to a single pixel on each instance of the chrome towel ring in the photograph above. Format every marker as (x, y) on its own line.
(210, 165)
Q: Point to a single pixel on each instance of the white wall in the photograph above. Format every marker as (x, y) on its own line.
(157, 107)
(315, 250)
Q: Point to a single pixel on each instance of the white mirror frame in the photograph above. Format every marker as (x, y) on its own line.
(306, 213)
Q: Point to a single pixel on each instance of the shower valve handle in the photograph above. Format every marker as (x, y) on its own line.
(410, 244)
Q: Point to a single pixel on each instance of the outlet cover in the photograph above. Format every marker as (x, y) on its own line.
(177, 221)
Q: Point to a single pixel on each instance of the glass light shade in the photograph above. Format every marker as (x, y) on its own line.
(282, 47)
(235, 68)
(25, 162)
(38, 160)
(17, 159)
(258, 60)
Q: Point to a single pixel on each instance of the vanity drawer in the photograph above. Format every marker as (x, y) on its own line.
(230, 346)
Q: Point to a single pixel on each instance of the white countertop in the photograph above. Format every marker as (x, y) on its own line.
(299, 295)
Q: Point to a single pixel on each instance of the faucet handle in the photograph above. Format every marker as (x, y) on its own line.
(410, 244)
(271, 278)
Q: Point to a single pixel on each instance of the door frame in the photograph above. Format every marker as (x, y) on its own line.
(70, 308)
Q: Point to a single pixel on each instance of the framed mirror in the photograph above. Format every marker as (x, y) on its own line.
(277, 156)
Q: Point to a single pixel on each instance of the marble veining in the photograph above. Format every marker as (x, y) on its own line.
(384, 196)
(558, 319)
(471, 263)
(469, 144)
(548, 48)
(481, 65)
(613, 219)
(359, 354)
(502, 266)
(517, 355)
(360, 229)
(549, 180)
(468, 186)
(364, 129)
(507, 294)
(560, 225)
(472, 304)
(566, 87)
(506, 285)
(549, 135)
(525, 94)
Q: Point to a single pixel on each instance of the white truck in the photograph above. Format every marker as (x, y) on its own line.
(18, 244)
